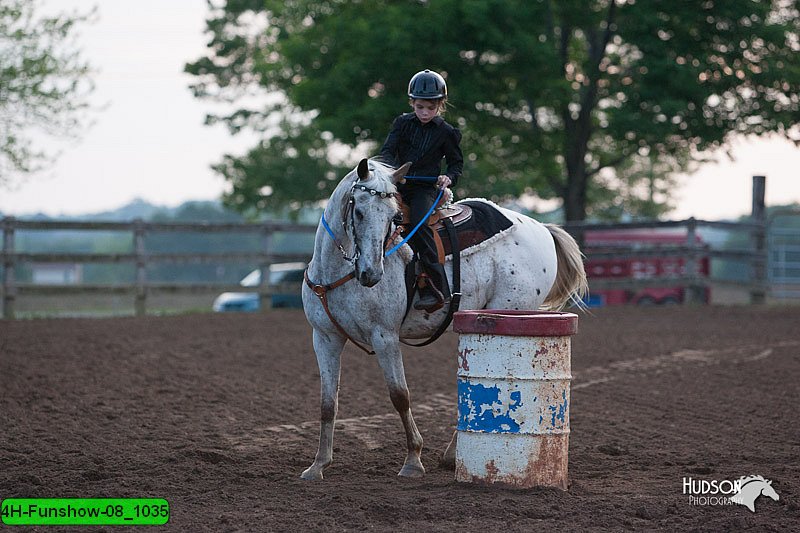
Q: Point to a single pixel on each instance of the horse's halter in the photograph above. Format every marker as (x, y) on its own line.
(321, 291)
(348, 215)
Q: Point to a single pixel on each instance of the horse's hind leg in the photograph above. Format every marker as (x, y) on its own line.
(329, 352)
(391, 361)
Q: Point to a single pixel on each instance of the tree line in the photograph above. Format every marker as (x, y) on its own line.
(598, 103)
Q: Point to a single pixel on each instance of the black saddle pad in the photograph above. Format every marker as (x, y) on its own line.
(486, 221)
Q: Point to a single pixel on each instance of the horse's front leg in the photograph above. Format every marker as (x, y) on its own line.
(390, 358)
(329, 351)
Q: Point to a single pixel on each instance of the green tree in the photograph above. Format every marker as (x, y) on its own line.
(583, 100)
(44, 84)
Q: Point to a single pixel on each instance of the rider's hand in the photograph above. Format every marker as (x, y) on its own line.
(443, 181)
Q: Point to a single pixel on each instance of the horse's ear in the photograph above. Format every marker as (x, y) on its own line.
(400, 173)
(363, 169)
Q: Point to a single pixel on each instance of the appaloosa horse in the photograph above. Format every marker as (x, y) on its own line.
(355, 291)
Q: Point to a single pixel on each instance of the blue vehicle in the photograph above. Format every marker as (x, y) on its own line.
(279, 274)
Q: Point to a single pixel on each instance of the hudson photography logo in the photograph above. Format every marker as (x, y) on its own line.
(742, 491)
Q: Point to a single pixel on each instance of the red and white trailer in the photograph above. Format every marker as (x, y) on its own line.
(639, 265)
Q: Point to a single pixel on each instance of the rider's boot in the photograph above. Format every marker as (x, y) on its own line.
(436, 291)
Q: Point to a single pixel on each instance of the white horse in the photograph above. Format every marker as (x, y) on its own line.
(535, 265)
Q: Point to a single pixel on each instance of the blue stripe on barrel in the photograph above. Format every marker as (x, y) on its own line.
(480, 408)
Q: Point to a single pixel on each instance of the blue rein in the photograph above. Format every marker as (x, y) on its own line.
(413, 231)
(328, 228)
(420, 223)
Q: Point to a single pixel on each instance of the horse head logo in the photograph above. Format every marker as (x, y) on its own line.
(751, 487)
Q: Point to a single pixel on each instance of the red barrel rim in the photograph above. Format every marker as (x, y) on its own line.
(516, 322)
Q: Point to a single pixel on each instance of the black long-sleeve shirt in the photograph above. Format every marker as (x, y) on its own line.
(425, 145)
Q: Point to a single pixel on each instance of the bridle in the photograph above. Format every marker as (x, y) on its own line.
(348, 215)
(348, 212)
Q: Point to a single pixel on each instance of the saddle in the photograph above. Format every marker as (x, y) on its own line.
(474, 221)
(456, 227)
(456, 214)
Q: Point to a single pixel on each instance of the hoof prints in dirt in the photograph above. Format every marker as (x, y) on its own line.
(219, 414)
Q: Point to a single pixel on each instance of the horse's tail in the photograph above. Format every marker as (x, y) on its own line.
(570, 284)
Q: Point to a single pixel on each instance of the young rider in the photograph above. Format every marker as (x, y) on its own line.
(425, 139)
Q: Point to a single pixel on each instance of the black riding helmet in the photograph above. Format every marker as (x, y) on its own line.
(427, 85)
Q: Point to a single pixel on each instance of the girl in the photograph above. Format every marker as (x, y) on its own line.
(425, 139)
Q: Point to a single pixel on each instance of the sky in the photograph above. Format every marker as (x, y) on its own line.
(149, 141)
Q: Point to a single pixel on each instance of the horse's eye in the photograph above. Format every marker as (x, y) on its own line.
(359, 214)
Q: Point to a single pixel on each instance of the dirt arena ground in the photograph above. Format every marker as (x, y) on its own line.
(218, 414)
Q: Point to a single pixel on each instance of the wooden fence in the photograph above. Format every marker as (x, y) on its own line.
(691, 253)
(141, 258)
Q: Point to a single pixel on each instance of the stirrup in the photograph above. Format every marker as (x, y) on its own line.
(438, 304)
(430, 292)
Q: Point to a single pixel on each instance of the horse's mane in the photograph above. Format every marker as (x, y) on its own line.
(747, 479)
(380, 179)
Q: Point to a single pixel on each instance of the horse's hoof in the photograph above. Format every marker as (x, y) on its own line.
(412, 471)
(311, 474)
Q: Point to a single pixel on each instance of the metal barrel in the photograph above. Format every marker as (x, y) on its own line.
(513, 397)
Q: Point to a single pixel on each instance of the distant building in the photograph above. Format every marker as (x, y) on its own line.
(56, 273)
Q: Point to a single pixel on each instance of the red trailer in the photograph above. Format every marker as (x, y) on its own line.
(657, 265)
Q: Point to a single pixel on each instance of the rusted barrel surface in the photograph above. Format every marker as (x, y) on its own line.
(513, 396)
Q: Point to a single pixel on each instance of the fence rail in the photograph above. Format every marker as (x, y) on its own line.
(154, 258)
(141, 259)
(692, 251)
(207, 227)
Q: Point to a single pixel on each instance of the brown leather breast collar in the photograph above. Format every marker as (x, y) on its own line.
(321, 291)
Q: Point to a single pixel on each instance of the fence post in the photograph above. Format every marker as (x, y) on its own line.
(264, 300)
(695, 291)
(9, 287)
(758, 237)
(141, 267)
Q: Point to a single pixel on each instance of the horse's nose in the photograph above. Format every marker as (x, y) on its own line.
(369, 278)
